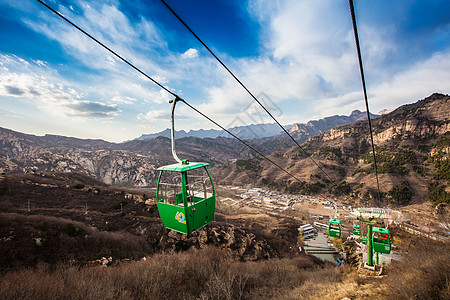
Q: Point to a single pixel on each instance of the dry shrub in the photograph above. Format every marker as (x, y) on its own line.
(117, 244)
(195, 274)
(329, 283)
(29, 240)
(423, 274)
(66, 282)
(183, 275)
(230, 284)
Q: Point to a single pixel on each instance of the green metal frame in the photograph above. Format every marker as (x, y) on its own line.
(334, 228)
(381, 240)
(189, 213)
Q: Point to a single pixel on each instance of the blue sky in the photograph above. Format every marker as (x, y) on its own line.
(298, 56)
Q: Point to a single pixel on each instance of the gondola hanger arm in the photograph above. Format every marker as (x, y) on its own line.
(172, 119)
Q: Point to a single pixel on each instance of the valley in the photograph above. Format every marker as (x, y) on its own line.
(81, 207)
(67, 224)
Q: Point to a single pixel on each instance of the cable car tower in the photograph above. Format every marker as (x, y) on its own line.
(377, 240)
(185, 193)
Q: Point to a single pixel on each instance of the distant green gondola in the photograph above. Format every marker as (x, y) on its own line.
(380, 240)
(364, 240)
(356, 229)
(334, 228)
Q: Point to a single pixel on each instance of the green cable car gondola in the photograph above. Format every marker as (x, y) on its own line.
(364, 240)
(334, 228)
(185, 193)
(380, 240)
(356, 229)
(185, 196)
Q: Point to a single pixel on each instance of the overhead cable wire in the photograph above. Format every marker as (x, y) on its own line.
(245, 143)
(243, 86)
(239, 139)
(361, 70)
(167, 90)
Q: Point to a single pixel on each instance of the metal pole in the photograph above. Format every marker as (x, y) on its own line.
(369, 246)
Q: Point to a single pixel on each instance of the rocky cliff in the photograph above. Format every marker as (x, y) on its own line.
(301, 132)
(407, 140)
(99, 159)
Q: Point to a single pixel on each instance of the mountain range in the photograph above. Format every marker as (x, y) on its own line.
(134, 162)
(412, 150)
(299, 131)
(412, 154)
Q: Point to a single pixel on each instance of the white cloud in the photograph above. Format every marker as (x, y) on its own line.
(310, 61)
(90, 109)
(124, 99)
(419, 81)
(190, 53)
(40, 63)
(48, 93)
(307, 66)
(154, 115)
(133, 41)
(416, 82)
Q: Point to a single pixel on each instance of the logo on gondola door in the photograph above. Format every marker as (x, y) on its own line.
(180, 217)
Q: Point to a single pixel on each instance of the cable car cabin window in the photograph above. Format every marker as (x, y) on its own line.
(381, 237)
(198, 185)
(170, 188)
(356, 230)
(335, 226)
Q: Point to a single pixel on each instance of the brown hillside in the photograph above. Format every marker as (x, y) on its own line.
(68, 217)
(412, 150)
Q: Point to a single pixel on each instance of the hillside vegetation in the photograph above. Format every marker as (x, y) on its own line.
(212, 274)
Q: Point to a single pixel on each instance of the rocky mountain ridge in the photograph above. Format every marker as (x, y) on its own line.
(302, 132)
(133, 163)
(412, 156)
(254, 131)
(299, 131)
